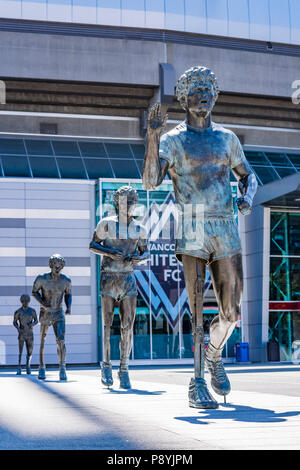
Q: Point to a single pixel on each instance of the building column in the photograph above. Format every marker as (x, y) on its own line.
(255, 237)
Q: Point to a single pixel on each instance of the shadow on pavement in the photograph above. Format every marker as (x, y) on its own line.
(231, 370)
(102, 437)
(135, 391)
(239, 413)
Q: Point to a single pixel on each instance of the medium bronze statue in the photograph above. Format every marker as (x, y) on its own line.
(24, 320)
(49, 290)
(199, 154)
(122, 242)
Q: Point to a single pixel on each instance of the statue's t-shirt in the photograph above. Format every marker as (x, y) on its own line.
(199, 166)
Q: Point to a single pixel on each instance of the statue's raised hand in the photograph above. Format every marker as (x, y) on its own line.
(156, 121)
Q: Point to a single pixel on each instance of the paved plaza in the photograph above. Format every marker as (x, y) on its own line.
(263, 411)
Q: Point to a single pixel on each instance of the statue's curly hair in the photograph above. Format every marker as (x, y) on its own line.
(58, 257)
(125, 191)
(24, 295)
(195, 76)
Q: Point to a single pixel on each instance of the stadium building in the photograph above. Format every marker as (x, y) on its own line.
(77, 78)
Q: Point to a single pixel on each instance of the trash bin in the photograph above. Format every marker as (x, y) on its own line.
(242, 352)
(273, 351)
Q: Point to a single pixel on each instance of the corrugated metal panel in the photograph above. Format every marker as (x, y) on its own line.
(148, 35)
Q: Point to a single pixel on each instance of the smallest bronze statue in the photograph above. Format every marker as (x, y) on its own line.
(25, 319)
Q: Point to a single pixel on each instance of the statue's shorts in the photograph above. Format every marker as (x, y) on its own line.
(118, 285)
(26, 335)
(50, 318)
(215, 238)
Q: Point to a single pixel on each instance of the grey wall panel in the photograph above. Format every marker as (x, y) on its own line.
(51, 186)
(11, 261)
(52, 223)
(34, 237)
(56, 204)
(87, 59)
(39, 194)
(41, 251)
(59, 243)
(12, 233)
(12, 203)
(58, 232)
(9, 242)
(11, 223)
(6, 192)
(70, 261)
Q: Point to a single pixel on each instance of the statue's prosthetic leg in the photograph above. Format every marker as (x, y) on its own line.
(194, 274)
(59, 331)
(108, 304)
(127, 315)
(42, 368)
(227, 277)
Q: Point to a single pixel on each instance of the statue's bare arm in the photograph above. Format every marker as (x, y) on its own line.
(247, 185)
(97, 248)
(155, 168)
(36, 293)
(68, 297)
(16, 320)
(34, 320)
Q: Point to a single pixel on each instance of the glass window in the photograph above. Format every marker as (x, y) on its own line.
(283, 172)
(141, 331)
(71, 168)
(39, 147)
(65, 148)
(278, 159)
(265, 174)
(15, 165)
(125, 169)
(138, 150)
(140, 167)
(118, 150)
(284, 328)
(98, 168)
(43, 167)
(12, 146)
(92, 149)
(285, 233)
(165, 340)
(284, 278)
(256, 158)
(295, 159)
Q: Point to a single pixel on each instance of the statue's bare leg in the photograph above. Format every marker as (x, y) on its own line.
(227, 277)
(127, 308)
(108, 305)
(42, 368)
(29, 348)
(194, 274)
(59, 328)
(21, 344)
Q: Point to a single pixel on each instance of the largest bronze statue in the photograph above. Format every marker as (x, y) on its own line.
(199, 154)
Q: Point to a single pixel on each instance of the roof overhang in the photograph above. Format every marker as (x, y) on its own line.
(280, 194)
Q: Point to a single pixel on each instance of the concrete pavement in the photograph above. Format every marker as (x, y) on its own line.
(263, 411)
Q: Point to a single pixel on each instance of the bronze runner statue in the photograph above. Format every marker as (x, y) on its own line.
(24, 320)
(122, 242)
(199, 154)
(49, 290)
